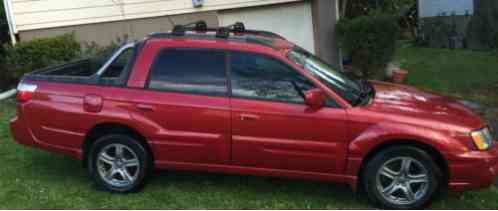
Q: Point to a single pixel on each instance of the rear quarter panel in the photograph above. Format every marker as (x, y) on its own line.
(57, 118)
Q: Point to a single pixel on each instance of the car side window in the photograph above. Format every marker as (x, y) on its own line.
(117, 66)
(199, 71)
(263, 77)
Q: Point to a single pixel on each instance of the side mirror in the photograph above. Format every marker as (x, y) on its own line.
(314, 98)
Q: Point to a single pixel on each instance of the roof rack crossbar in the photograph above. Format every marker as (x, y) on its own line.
(221, 32)
(201, 26)
(180, 30)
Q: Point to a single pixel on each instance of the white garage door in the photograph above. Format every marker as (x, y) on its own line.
(293, 21)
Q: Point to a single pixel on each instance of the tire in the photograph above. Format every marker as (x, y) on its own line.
(119, 172)
(388, 185)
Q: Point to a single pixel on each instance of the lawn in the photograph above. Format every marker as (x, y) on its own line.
(34, 179)
(465, 74)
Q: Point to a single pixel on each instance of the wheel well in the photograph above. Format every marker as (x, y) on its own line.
(111, 128)
(433, 152)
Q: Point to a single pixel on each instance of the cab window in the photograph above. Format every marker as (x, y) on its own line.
(195, 71)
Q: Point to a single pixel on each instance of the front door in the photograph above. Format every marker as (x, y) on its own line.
(273, 128)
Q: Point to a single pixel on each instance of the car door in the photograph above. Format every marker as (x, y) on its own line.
(273, 128)
(186, 105)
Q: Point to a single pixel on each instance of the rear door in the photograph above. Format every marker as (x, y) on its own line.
(185, 99)
(273, 128)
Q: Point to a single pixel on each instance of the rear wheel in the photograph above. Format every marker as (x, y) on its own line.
(401, 178)
(118, 163)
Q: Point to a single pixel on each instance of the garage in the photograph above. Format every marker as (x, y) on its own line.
(293, 21)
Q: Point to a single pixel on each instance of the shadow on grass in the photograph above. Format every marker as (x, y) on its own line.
(193, 190)
(228, 190)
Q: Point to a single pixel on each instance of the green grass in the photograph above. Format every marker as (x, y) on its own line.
(466, 74)
(34, 179)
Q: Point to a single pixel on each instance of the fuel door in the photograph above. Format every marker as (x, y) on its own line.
(93, 103)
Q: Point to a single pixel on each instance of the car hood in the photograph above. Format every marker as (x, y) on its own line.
(408, 101)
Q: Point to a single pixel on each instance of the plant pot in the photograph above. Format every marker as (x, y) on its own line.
(399, 75)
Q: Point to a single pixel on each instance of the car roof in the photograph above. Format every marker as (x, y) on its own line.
(251, 37)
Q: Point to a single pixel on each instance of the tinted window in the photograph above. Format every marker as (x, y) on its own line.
(118, 65)
(263, 77)
(189, 70)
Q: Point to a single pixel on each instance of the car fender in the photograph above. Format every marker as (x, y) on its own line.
(382, 133)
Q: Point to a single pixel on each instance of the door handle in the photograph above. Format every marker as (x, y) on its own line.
(249, 117)
(147, 108)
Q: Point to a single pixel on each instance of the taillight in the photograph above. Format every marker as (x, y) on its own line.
(25, 91)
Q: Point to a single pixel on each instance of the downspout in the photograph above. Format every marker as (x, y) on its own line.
(10, 20)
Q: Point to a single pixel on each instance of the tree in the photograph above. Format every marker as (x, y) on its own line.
(5, 76)
(354, 8)
(405, 10)
(4, 26)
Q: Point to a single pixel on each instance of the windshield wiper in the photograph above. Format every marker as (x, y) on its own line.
(367, 91)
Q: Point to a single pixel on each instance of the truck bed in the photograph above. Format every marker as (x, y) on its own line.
(80, 68)
(81, 72)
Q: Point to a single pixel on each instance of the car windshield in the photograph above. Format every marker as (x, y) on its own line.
(346, 86)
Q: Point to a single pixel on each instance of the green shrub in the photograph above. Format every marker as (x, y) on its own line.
(7, 80)
(92, 49)
(40, 53)
(370, 41)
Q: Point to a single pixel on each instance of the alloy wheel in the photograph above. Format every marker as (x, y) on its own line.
(118, 165)
(402, 180)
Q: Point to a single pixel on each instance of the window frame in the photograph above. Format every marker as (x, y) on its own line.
(330, 103)
(225, 70)
(122, 79)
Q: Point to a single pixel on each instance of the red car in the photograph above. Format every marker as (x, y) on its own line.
(250, 102)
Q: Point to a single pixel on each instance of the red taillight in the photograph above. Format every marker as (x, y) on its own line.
(25, 91)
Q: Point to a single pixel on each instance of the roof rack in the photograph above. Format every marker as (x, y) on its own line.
(237, 28)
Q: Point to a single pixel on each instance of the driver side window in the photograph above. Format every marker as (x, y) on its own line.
(257, 76)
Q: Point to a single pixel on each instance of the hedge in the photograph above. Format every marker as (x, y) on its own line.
(370, 41)
(28, 56)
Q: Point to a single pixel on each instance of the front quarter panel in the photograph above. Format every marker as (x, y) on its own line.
(367, 136)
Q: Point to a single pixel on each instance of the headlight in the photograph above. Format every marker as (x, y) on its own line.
(482, 139)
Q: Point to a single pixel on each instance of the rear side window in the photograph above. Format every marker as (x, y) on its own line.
(189, 70)
(118, 65)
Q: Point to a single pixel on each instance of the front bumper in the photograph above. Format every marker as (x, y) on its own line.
(473, 170)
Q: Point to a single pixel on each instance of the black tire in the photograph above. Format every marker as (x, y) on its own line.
(418, 161)
(131, 148)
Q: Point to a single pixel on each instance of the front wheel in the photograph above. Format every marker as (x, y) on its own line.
(118, 163)
(401, 178)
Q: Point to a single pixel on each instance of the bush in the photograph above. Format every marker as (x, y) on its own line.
(40, 53)
(370, 41)
(7, 81)
(92, 49)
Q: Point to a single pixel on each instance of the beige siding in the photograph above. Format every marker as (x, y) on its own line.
(105, 33)
(40, 14)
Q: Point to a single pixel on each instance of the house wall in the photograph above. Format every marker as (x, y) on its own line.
(433, 8)
(42, 14)
(105, 33)
(309, 23)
